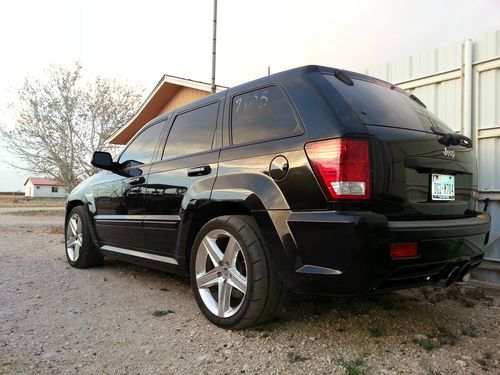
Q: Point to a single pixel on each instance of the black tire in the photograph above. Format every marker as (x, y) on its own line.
(88, 253)
(265, 292)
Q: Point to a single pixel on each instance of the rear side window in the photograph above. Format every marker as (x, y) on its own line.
(192, 132)
(262, 114)
(142, 148)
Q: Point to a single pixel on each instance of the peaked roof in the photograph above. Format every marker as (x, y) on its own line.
(43, 181)
(164, 90)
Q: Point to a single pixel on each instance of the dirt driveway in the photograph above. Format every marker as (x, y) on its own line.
(123, 319)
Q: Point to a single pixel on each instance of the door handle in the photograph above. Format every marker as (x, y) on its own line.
(199, 171)
(137, 181)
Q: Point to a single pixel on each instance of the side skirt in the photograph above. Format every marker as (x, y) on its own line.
(160, 262)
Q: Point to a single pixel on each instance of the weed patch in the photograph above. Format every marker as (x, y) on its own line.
(36, 213)
(159, 313)
(446, 337)
(353, 366)
(469, 330)
(376, 331)
(486, 361)
(55, 229)
(295, 357)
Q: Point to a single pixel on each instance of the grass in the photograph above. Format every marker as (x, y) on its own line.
(159, 313)
(427, 344)
(353, 306)
(22, 201)
(469, 330)
(443, 336)
(467, 298)
(55, 229)
(295, 357)
(36, 213)
(477, 294)
(446, 336)
(485, 361)
(353, 366)
(376, 331)
(392, 301)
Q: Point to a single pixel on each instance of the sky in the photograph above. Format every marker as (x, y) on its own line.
(139, 41)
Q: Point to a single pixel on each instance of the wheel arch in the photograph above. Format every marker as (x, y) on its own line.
(77, 202)
(247, 203)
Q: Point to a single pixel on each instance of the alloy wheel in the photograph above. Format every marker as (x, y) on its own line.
(74, 237)
(221, 273)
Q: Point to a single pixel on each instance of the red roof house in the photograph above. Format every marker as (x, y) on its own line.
(44, 188)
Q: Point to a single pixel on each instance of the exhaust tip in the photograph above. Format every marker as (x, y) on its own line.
(464, 274)
(453, 275)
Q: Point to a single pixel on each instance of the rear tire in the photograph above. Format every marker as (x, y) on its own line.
(234, 281)
(80, 249)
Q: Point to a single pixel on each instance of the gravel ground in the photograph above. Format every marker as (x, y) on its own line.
(125, 319)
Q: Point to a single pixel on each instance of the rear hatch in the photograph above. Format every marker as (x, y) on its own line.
(421, 169)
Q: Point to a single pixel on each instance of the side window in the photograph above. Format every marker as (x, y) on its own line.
(142, 148)
(192, 132)
(262, 114)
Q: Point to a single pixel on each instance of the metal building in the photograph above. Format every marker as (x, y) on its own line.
(461, 85)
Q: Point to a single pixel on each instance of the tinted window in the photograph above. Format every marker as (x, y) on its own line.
(262, 114)
(192, 132)
(142, 148)
(380, 103)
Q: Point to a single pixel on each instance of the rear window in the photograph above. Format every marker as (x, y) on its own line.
(380, 103)
(262, 114)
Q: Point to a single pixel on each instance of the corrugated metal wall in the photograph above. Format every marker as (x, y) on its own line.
(439, 78)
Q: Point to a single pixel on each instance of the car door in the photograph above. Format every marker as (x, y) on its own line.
(185, 174)
(119, 200)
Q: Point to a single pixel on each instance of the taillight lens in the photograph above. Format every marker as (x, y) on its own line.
(342, 166)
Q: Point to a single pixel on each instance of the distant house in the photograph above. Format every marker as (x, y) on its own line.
(44, 188)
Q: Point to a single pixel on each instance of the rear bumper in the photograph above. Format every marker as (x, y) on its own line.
(349, 253)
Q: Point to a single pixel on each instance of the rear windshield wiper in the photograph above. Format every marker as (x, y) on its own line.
(452, 139)
(343, 77)
(415, 99)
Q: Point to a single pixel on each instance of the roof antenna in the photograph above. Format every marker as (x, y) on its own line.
(214, 43)
(268, 70)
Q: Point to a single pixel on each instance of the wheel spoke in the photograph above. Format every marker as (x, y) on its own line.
(232, 250)
(208, 279)
(71, 241)
(79, 240)
(237, 280)
(74, 226)
(213, 251)
(224, 300)
(70, 252)
(76, 251)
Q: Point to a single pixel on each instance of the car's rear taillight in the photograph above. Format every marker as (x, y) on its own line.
(342, 166)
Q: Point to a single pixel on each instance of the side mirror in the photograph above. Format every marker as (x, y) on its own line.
(103, 160)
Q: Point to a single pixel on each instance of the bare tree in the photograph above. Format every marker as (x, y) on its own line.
(61, 121)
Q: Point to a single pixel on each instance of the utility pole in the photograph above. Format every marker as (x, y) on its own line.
(214, 45)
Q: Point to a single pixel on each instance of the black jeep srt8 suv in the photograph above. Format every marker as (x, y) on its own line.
(314, 180)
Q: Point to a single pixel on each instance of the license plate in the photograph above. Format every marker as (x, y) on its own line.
(443, 187)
